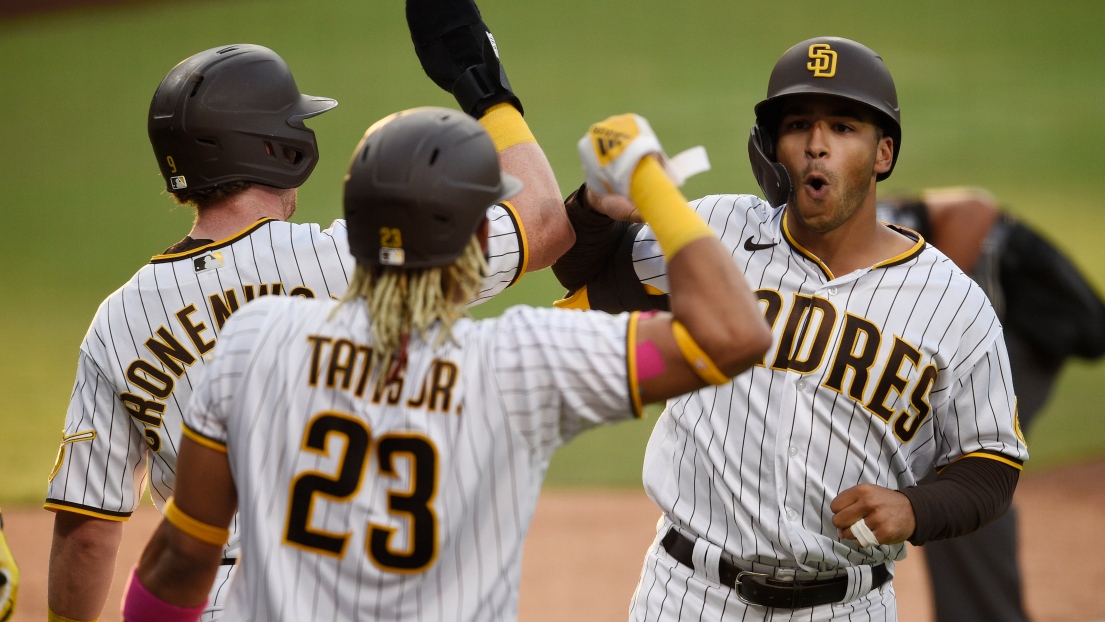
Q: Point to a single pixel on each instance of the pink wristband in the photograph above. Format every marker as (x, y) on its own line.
(650, 363)
(140, 605)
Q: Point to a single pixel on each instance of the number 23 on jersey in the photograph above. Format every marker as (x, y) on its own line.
(413, 504)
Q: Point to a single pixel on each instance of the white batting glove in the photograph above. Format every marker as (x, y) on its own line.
(611, 150)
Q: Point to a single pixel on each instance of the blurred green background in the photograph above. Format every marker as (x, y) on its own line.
(1004, 94)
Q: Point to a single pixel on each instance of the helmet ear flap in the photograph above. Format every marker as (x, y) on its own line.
(772, 176)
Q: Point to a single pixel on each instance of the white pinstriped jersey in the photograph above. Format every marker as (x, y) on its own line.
(407, 503)
(874, 377)
(141, 355)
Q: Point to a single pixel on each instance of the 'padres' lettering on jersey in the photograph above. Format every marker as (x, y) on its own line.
(411, 501)
(873, 377)
(136, 367)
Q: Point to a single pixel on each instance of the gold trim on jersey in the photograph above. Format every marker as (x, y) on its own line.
(1013, 462)
(200, 439)
(652, 290)
(76, 437)
(1017, 421)
(913, 251)
(631, 365)
(577, 300)
(216, 244)
(805, 253)
(909, 254)
(204, 532)
(55, 505)
(523, 243)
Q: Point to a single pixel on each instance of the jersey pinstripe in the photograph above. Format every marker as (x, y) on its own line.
(874, 377)
(140, 358)
(407, 503)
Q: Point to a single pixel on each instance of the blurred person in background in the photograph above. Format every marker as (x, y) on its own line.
(1050, 314)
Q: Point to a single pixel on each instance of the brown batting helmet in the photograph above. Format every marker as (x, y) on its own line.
(823, 66)
(233, 113)
(419, 184)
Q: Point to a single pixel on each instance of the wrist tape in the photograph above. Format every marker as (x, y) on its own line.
(665, 209)
(199, 530)
(506, 126)
(700, 362)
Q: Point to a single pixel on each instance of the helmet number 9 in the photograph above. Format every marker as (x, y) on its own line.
(172, 165)
(390, 237)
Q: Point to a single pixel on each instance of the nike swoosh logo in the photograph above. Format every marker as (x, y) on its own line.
(749, 245)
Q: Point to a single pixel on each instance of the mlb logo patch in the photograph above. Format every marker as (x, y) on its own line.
(392, 256)
(208, 261)
(178, 182)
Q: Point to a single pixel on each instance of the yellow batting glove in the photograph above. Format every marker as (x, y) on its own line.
(611, 150)
(9, 578)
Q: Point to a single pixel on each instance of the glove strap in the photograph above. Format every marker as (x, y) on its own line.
(686, 164)
(482, 86)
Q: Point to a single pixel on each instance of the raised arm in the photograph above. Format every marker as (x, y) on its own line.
(715, 329)
(460, 55)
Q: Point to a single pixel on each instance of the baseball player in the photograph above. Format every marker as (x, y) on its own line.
(1050, 313)
(386, 452)
(9, 578)
(227, 128)
(789, 492)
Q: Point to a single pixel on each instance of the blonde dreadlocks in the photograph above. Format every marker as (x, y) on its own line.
(400, 300)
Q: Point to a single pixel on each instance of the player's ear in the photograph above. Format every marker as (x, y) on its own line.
(884, 154)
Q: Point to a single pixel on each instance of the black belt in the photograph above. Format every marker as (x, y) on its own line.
(228, 561)
(757, 588)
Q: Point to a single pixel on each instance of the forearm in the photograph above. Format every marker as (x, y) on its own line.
(82, 562)
(458, 53)
(965, 496)
(709, 294)
(539, 205)
(182, 557)
(177, 568)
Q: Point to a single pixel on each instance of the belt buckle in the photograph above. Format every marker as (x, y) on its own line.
(741, 575)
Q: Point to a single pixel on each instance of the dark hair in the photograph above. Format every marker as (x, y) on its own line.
(204, 197)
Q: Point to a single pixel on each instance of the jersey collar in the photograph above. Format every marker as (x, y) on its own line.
(213, 245)
(912, 252)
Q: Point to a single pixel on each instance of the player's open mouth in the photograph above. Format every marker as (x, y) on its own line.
(817, 186)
